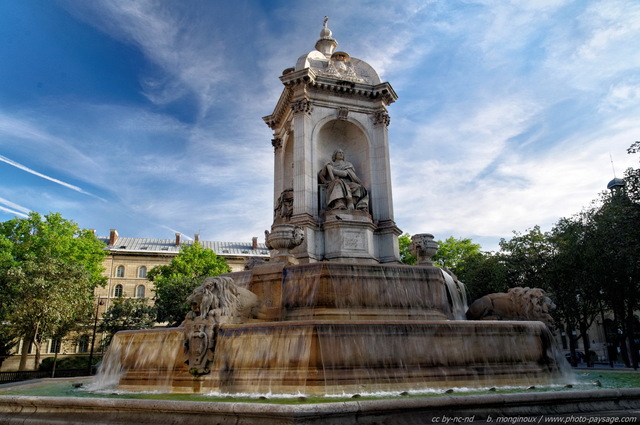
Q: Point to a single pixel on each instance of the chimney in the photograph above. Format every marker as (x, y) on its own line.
(113, 235)
(254, 242)
(177, 239)
(196, 237)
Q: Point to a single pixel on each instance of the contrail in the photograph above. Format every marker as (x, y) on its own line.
(14, 206)
(10, 211)
(35, 173)
(175, 231)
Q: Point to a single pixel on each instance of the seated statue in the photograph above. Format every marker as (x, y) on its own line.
(344, 189)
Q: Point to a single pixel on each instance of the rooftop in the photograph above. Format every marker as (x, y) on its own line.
(166, 246)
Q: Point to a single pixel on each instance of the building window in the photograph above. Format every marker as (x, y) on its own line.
(140, 291)
(120, 271)
(117, 291)
(83, 344)
(55, 345)
(142, 272)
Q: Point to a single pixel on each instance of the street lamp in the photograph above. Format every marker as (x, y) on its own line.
(93, 339)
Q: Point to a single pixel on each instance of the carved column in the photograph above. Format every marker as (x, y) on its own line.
(303, 180)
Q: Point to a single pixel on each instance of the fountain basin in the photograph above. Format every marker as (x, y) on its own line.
(333, 357)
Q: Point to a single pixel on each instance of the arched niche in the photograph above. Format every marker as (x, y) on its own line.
(342, 134)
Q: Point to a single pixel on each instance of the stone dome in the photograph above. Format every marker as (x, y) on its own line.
(339, 65)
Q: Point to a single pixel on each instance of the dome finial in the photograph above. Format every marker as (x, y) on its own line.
(326, 44)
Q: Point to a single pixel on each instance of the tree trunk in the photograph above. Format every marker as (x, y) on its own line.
(586, 343)
(55, 360)
(631, 337)
(31, 339)
(572, 346)
(37, 344)
(24, 356)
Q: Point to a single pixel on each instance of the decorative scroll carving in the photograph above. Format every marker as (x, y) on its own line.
(345, 191)
(217, 301)
(381, 118)
(343, 113)
(301, 106)
(276, 143)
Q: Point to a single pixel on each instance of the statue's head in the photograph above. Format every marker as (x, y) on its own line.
(337, 154)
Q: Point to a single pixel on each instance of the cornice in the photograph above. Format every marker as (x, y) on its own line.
(308, 78)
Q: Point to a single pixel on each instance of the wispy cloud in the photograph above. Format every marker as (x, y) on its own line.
(190, 59)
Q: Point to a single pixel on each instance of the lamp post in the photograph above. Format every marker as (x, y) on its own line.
(93, 338)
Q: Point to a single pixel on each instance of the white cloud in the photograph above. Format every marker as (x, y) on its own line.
(190, 56)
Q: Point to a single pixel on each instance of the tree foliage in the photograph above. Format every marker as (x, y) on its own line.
(49, 268)
(127, 314)
(453, 253)
(406, 256)
(174, 282)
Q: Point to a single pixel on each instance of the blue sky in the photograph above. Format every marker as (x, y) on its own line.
(145, 116)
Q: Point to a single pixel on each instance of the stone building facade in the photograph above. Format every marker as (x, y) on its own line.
(126, 266)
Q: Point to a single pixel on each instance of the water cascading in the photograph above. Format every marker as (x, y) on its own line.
(334, 328)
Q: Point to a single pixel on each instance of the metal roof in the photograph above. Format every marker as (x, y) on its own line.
(165, 246)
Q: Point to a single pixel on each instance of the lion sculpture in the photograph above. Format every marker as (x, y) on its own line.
(220, 299)
(216, 302)
(517, 304)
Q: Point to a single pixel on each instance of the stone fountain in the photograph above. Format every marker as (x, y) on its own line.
(334, 311)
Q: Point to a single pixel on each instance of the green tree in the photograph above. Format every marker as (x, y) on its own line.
(527, 257)
(127, 314)
(484, 274)
(574, 279)
(8, 335)
(49, 269)
(454, 253)
(406, 256)
(615, 228)
(175, 281)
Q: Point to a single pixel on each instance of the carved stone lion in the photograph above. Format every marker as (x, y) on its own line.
(517, 304)
(221, 299)
(217, 301)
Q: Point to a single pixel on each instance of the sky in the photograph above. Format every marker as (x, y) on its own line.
(146, 116)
